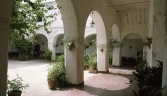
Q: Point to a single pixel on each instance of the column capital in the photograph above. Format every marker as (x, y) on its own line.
(103, 46)
(74, 40)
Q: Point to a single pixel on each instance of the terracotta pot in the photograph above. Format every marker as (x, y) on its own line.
(92, 67)
(70, 48)
(149, 40)
(51, 84)
(15, 93)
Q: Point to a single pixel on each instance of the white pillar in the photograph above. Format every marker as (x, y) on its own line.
(116, 56)
(51, 47)
(164, 79)
(150, 33)
(159, 48)
(102, 58)
(73, 59)
(74, 62)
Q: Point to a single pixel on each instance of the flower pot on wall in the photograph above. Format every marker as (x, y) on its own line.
(70, 49)
(149, 40)
(101, 50)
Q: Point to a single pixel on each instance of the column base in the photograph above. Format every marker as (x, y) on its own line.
(116, 65)
(103, 71)
(77, 85)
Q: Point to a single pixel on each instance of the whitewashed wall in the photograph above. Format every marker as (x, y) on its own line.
(92, 48)
(131, 47)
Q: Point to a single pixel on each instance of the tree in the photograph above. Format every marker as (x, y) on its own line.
(24, 17)
(25, 23)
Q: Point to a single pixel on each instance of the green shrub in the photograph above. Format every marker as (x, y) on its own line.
(25, 48)
(86, 59)
(56, 71)
(47, 54)
(149, 79)
(92, 61)
(60, 59)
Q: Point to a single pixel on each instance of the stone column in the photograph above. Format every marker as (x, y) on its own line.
(103, 58)
(159, 35)
(74, 61)
(164, 79)
(150, 33)
(4, 36)
(116, 57)
(51, 47)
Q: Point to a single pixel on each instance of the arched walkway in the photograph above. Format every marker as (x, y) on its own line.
(102, 57)
(54, 45)
(132, 51)
(40, 45)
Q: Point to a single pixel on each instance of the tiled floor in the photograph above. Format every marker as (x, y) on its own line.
(116, 83)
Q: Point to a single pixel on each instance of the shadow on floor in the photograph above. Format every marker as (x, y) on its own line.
(112, 84)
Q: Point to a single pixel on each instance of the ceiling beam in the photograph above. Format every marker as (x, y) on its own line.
(128, 4)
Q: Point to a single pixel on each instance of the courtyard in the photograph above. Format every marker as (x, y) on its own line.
(33, 72)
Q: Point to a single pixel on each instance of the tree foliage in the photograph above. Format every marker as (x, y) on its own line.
(25, 23)
(24, 17)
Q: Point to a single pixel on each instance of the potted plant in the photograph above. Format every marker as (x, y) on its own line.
(86, 59)
(56, 74)
(145, 43)
(47, 54)
(70, 45)
(149, 40)
(92, 61)
(15, 86)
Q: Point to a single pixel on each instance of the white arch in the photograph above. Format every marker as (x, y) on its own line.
(56, 35)
(88, 33)
(126, 34)
(43, 33)
(100, 28)
(101, 37)
(133, 35)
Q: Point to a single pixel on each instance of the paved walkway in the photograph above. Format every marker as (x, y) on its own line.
(34, 73)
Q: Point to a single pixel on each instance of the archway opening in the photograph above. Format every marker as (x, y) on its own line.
(132, 51)
(89, 46)
(59, 45)
(97, 54)
(40, 46)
